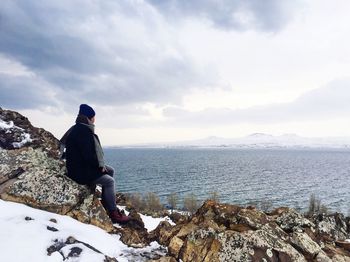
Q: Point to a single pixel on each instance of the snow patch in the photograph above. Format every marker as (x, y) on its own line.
(25, 237)
(25, 139)
(6, 125)
(150, 222)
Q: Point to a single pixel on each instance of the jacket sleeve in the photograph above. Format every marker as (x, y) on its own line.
(88, 149)
(62, 143)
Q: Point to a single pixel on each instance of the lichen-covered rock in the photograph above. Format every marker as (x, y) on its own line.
(290, 220)
(163, 259)
(331, 227)
(222, 232)
(134, 232)
(31, 173)
(305, 244)
(42, 183)
(92, 212)
(16, 131)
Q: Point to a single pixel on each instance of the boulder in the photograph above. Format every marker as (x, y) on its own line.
(222, 232)
(134, 232)
(16, 131)
(31, 173)
(331, 227)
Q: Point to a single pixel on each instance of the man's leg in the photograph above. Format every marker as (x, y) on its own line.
(110, 170)
(108, 192)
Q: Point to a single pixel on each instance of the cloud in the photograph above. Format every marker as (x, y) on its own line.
(100, 52)
(328, 102)
(267, 15)
(23, 92)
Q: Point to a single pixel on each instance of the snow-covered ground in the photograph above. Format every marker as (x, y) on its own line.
(26, 233)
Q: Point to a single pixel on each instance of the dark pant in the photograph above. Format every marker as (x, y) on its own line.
(108, 190)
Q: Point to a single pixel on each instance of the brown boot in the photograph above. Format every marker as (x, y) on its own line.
(117, 217)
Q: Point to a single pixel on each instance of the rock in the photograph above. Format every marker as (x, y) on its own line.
(11, 175)
(53, 229)
(163, 233)
(33, 174)
(331, 227)
(92, 212)
(121, 199)
(336, 254)
(75, 252)
(75, 248)
(39, 138)
(163, 259)
(134, 232)
(305, 244)
(175, 246)
(322, 257)
(290, 220)
(343, 244)
(177, 217)
(221, 232)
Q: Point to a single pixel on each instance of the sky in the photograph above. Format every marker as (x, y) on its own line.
(162, 71)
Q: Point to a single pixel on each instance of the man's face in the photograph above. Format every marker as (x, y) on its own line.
(92, 120)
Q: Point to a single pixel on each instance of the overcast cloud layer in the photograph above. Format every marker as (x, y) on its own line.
(104, 52)
(160, 64)
(331, 101)
(267, 15)
(113, 52)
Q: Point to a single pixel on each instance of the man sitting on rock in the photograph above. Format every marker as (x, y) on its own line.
(85, 162)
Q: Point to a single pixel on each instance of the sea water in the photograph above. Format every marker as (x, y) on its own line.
(281, 177)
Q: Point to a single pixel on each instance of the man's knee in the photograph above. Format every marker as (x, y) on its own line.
(110, 170)
(105, 180)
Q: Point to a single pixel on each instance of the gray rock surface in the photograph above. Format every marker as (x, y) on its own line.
(32, 174)
(222, 232)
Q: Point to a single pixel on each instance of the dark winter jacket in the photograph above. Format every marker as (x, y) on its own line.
(81, 158)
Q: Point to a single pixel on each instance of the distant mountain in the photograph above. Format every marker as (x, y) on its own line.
(256, 140)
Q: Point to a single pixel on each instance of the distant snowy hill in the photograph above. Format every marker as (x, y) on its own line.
(257, 140)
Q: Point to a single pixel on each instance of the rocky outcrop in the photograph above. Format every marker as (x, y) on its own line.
(222, 232)
(31, 173)
(16, 131)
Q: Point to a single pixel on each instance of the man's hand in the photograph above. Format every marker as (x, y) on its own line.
(104, 170)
